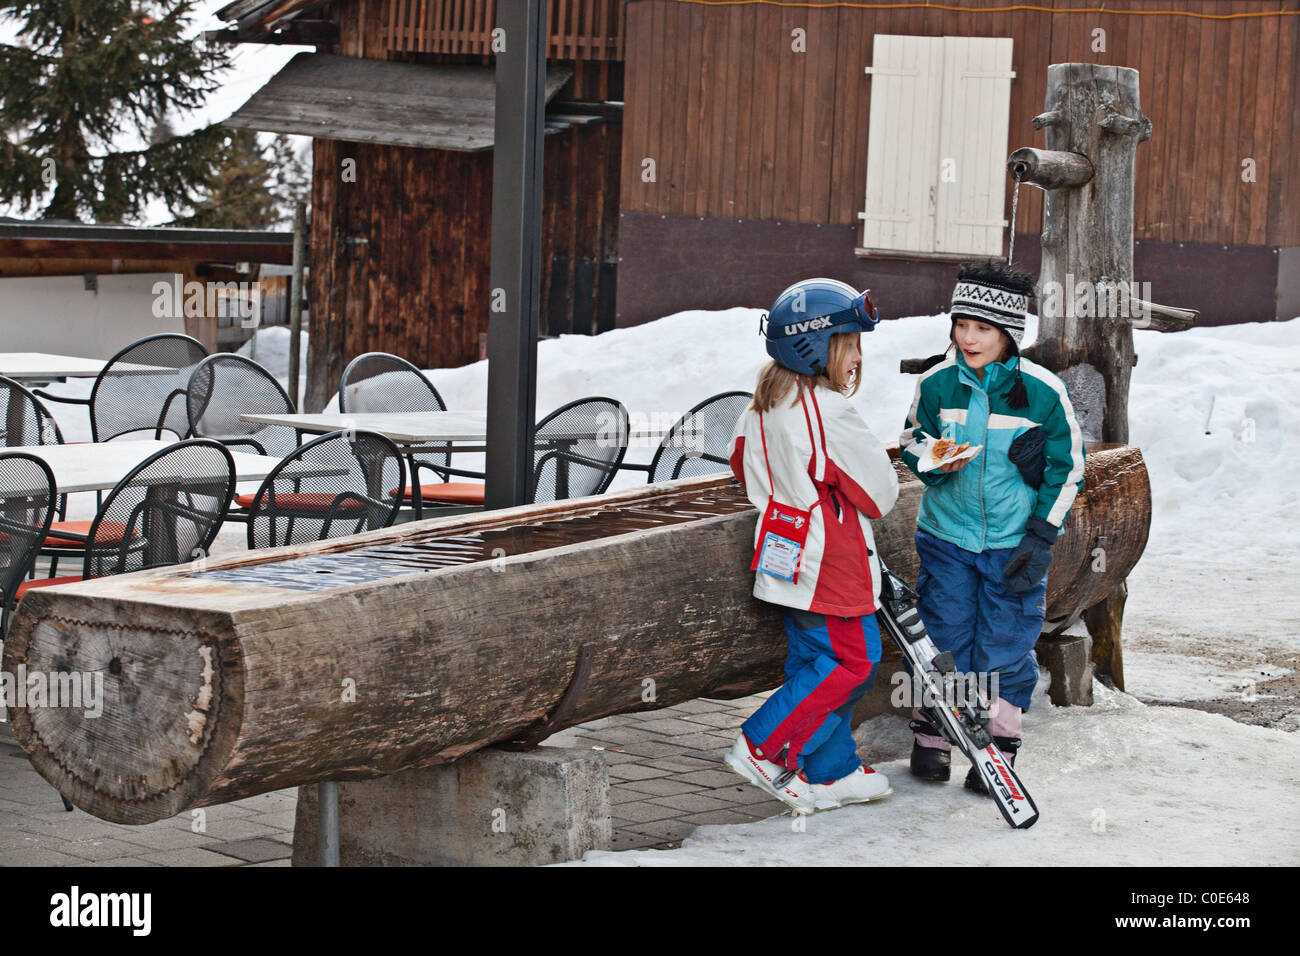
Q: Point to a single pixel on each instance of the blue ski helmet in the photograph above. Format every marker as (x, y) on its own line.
(805, 316)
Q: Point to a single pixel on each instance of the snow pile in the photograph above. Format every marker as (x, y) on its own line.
(1117, 784)
(269, 348)
(1208, 407)
(662, 369)
(1201, 482)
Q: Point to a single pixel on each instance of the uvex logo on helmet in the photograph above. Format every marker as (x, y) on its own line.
(812, 325)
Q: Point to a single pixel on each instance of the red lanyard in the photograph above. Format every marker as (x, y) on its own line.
(807, 421)
(783, 530)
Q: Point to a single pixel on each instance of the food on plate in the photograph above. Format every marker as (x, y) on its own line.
(945, 447)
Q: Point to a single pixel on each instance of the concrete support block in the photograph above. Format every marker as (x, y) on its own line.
(489, 808)
(1069, 659)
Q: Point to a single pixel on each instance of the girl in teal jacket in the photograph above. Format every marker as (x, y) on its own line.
(986, 525)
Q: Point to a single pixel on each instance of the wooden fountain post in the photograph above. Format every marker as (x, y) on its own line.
(1086, 311)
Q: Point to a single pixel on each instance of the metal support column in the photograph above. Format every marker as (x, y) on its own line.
(327, 823)
(516, 283)
(295, 299)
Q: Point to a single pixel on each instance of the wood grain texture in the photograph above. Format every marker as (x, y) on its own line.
(1186, 189)
(1090, 231)
(576, 29)
(216, 691)
(401, 256)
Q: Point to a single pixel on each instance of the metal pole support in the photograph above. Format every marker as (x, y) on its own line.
(516, 284)
(327, 829)
(295, 299)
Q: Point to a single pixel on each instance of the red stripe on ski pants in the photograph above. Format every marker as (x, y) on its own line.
(821, 675)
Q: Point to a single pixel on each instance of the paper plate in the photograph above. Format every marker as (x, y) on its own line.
(925, 459)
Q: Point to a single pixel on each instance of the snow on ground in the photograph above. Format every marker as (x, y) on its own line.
(1213, 611)
(1117, 784)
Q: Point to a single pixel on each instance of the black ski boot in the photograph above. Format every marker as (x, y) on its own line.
(929, 763)
(1008, 746)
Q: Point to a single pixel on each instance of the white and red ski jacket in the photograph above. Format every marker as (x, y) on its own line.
(823, 459)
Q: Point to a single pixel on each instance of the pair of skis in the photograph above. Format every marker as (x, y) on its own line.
(960, 723)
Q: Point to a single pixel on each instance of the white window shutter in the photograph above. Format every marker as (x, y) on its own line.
(903, 143)
(972, 177)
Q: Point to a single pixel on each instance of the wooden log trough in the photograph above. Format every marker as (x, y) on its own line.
(416, 644)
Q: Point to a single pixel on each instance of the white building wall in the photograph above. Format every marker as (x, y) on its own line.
(57, 314)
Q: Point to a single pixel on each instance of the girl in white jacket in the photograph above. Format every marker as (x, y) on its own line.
(817, 476)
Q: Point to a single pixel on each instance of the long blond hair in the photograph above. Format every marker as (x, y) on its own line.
(776, 380)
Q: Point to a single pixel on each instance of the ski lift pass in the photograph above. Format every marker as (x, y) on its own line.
(925, 457)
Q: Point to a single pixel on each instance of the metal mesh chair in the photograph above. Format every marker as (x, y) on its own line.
(125, 400)
(697, 443)
(225, 386)
(25, 420)
(27, 498)
(165, 511)
(567, 462)
(380, 382)
(338, 484)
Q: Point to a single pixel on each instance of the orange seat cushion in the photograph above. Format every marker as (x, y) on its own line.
(308, 501)
(449, 492)
(245, 501)
(110, 533)
(43, 583)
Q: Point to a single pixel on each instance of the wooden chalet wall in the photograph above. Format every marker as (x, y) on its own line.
(401, 258)
(579, 29)
(743, 128)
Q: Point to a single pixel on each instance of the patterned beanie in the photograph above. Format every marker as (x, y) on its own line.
(997, 296)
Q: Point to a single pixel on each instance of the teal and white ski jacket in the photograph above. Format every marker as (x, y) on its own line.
(986, 504)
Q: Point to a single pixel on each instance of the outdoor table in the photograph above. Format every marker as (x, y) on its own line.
(434, 431)
(44, 367)
(415, 431)
(99, 466)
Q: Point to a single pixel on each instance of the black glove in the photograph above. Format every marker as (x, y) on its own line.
(1032, 557)
(1026, 453)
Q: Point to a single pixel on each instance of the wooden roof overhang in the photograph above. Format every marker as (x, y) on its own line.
(272, 21)
(78, 241)
(373, 101)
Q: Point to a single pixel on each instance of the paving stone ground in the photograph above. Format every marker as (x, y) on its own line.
(665, 771)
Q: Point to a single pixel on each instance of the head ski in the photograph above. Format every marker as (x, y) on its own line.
(960, 723)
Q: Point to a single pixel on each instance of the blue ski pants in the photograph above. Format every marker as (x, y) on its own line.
(829, 664)
(969, 611)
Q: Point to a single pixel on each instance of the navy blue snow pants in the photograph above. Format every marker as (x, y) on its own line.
(969, 611)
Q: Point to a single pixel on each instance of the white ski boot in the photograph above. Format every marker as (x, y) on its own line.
(861, 786)
(794, 791)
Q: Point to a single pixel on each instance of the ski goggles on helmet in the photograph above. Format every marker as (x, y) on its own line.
(861, 316)
(866, 310)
